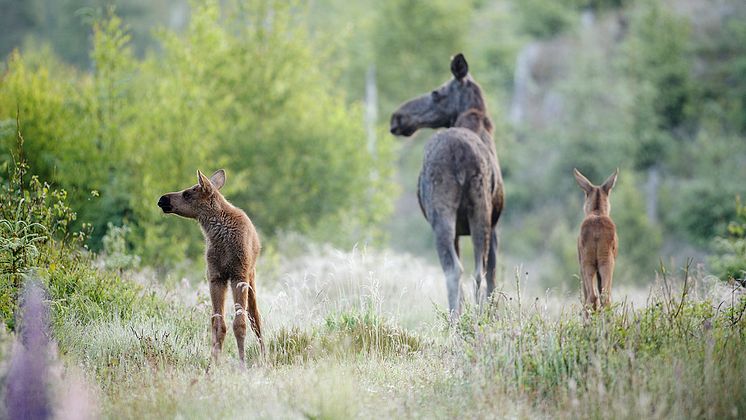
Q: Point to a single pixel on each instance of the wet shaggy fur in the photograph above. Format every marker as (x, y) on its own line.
(232, 251)
(460, 187)
(597, 242)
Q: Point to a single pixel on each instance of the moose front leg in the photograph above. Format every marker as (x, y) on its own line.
(218, 290)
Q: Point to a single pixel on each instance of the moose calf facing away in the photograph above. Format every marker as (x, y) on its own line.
(232, 251)
(597, 243)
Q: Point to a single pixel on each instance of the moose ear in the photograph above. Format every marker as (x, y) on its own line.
(203, 182)
(218, 178)
(583, 181)
(610, 182)
(459, 66)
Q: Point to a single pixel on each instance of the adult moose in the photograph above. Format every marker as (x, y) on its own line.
(460, 188)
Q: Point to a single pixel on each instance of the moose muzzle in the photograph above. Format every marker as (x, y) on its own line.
(165, 204)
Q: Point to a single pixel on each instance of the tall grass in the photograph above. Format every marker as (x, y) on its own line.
(360, 334)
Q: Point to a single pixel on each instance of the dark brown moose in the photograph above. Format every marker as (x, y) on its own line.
(460, 187)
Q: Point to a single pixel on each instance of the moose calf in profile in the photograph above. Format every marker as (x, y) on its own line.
(597, 243)
(232, 251)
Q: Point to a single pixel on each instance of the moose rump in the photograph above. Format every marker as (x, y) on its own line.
(455, 190)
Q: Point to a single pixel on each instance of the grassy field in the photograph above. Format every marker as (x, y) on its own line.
(362, 333)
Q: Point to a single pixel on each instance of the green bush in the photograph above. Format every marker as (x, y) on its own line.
(115, 250)
(729, 261)
(545, 19)
(242, 88)
(699, 211)
(640, 239)
(412, 42)
(657, 56)
(38, 242)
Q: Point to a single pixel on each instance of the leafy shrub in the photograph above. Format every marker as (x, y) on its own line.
(30, 216)
(545, 19)
(729, 261)
(700, 211)
(37, 238)
(41, 209)
(658, 59)
(116, 254)
(241, 88)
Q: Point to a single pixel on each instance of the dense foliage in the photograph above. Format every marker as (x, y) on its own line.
(38, 243)
(241, 89)
(272, 92)
(730, 260)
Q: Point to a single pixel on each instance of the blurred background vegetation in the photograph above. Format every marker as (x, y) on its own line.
(121, 101)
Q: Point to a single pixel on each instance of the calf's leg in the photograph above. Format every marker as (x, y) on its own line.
(218, 290)
(240, 294)
(588, 274)
(606, 271)
(253, 311)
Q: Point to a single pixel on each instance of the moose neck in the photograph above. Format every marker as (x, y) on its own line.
(477, 121)
(597, 205)
(218, 223)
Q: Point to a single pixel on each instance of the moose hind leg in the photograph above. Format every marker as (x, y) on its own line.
(491, 263)
(218, 290)
(255, 318)
(606, 273)
(588, 274)
(480, 237)
(479, 213)
(240, 297)
(444, 241)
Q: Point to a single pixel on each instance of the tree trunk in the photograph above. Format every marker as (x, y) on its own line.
(651, 194)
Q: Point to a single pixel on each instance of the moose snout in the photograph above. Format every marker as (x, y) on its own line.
(395, 123)
(165, 203)
(401, 125)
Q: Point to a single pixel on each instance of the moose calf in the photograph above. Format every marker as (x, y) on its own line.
(232, 251)
(597, 243)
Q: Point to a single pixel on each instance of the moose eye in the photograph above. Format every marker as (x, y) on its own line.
(436, 96)
(186, 194)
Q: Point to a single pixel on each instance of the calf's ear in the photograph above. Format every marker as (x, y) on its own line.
(204, 182)
(218, 178)
(582, 181)
(610, 182)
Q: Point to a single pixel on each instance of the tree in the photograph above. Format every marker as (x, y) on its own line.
(241, 89)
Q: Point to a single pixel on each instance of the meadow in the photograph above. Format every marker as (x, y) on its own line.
(363, 333)
(105, 107)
